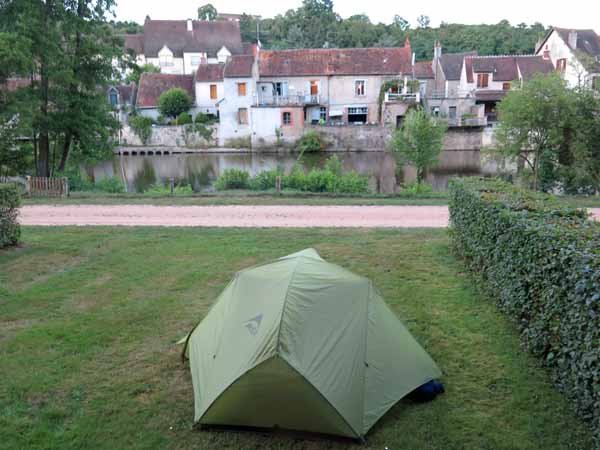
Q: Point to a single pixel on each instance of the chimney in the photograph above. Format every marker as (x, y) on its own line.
(437, 50)
(190, 25)
(573, 39)
(255, 49)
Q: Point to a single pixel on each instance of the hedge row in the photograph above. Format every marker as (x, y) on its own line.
(10, 201)
(541, 262)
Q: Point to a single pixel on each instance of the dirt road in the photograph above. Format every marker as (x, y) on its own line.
(240, 216)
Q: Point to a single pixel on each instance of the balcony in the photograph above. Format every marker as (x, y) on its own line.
(467, 121)
(287, 100)
(391, 97)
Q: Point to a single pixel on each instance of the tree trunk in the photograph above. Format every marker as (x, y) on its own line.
(65, 153)
(44, 140)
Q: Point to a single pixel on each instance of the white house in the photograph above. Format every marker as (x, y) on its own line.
(239, 75)
(209, 88)
(574, 53)
(180, 46)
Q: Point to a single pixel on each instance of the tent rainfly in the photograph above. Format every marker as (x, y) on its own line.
(302, 344)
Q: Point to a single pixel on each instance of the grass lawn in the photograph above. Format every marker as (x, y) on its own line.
(89, 318)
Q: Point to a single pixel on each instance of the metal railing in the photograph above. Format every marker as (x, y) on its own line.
(399, 97)
(287, 100)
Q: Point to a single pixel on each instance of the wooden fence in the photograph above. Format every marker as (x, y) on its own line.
(46, 187)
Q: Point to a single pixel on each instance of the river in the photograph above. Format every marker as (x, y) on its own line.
(202, 169)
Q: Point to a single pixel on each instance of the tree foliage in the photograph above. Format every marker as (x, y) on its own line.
(554, 131)
(419, 141)
(137, 71)
(70, 48)
(315, 24)
(207, 12)
(173, 102)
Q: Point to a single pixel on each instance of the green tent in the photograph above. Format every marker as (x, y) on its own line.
(302, 344)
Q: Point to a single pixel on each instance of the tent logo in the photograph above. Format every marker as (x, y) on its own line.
(254, 324)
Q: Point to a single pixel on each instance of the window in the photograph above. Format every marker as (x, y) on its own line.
(314, 87)
(359, 88)
(287, 118)
(357, 115)
(165, 60)
(483, 80)
(241, 89)
(452, 112)
(506, 86)
(213, 91)
(243, 116)
(561, 64)
(195, 60)
(323, 113)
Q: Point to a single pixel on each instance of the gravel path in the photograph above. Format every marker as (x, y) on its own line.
(240, 216)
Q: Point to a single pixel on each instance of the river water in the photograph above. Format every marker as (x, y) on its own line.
(202, 169)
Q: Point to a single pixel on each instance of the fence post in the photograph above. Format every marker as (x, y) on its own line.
(172, 185)
(28, 185)
(66, 186)
(278, 184)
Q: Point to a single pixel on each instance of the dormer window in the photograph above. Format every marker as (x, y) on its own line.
(165, 57)
(195, 60)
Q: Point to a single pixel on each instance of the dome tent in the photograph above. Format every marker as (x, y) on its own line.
(302, 344)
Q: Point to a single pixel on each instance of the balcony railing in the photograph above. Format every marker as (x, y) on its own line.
(406, 98)
(467, 122)
(287, 100)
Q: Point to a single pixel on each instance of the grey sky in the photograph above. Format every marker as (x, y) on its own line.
(573, 14)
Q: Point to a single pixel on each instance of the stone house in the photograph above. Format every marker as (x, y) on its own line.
(487, 79)
(288, 90)
(575, 54)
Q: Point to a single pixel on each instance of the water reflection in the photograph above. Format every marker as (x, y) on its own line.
(202, 169)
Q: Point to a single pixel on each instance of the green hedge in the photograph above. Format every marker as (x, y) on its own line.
(10, 201)
(541, 262)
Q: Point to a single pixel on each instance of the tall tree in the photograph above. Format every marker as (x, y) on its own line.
(419, 141)
(536, 127)
(72, 49)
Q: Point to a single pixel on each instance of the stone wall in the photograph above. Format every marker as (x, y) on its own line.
(354, 137)
(170, 136)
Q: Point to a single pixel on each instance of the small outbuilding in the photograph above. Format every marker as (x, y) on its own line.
(302, 344)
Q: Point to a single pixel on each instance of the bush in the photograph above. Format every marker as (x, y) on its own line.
(233, 179)
(184, 119)
(173, 102)
(352, 183)
(310, 141)
(265, 180)
(417, 190)
(541, 261)
(77, 181)
(10, 230)
(241, 142)
(142, 127)
(111, 185)
(165, 189)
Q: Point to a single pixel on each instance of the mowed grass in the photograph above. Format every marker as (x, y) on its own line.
(89, 318)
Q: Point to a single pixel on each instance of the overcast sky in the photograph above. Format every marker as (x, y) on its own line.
(572, 14)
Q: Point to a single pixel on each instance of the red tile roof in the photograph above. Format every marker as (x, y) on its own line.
(154, 84)
(135, 43)
(423, 70)
(239, 66)
(506, 68)
(350, 61)
(210, 72)
(14, 84)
